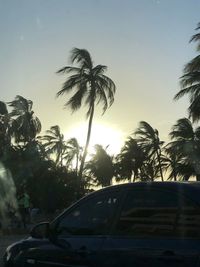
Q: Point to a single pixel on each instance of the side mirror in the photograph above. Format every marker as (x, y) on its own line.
(40, 230)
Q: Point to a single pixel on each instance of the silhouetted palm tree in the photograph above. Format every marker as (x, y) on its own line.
(150, 170)
(73, 152)
(129, 161)
(25, 125)
(91, 86)
(171, 161)
(190, 82)
(100, 167)
(148, 139)
(55, 144)
(177, 167)
(186, 146)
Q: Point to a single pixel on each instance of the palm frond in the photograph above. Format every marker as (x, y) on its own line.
(68, 69)
(101, 94)
(70, 84)
(75, 101)
(195, 37)
(190, 78)
(183, 129)
(194, 108)
(99, 70)
(82, 57)
(193, 65)
(194, 89)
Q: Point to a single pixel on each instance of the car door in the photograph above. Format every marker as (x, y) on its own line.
(154, 228)
(80, 232)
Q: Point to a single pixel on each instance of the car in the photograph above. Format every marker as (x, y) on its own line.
(133, 224)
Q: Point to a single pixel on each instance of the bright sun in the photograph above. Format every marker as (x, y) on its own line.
(101, 134)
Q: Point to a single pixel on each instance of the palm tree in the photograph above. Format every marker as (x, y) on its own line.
(190, 82)
(148, 139)
(171, 162)
(55, 144)
(150, 170)
(91, 86)
(129, 161)
(73, 152)
(100, 167)
(186, 145)
(177, 167)
(25, 125)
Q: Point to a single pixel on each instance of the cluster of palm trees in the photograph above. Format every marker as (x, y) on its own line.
(40, 161)
(36, 162)
(145, 157)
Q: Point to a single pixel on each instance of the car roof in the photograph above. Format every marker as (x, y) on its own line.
(191, 189)
(185, 185)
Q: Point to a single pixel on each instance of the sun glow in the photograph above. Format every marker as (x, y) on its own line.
(101, 134)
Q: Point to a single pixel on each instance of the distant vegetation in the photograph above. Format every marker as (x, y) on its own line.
(56, 171)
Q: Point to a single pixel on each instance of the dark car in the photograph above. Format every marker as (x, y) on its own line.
(138, 224)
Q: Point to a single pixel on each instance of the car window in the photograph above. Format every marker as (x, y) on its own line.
(153, 213)
(188, 221)
(91, 217)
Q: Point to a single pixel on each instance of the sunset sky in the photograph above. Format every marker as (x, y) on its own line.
(144, 43)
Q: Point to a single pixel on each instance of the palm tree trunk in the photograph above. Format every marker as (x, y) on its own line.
(159, 163)
(175, 179)
(87, 141)
(134, 177)
(61, 159)
(175, 175)
(77, 157)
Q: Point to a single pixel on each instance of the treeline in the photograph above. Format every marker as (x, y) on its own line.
(56, 172)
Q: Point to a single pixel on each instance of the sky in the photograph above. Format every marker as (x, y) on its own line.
(144, 44)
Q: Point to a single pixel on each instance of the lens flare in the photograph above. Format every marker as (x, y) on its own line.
(7, 196)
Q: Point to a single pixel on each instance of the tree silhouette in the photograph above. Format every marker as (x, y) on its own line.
(55, 144)
(73, 152)
(129, 161)
(148, 139)
(186, 145)
(24, 125)
(91, 86)
(100, 167)
(190, 82)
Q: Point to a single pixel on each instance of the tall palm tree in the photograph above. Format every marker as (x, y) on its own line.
(73, 152)
(129, 161)
(25, 125)
(100, 167)
(91, 86)
(55, 144)
(186, 145)
(148, 139)
(190, 82)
